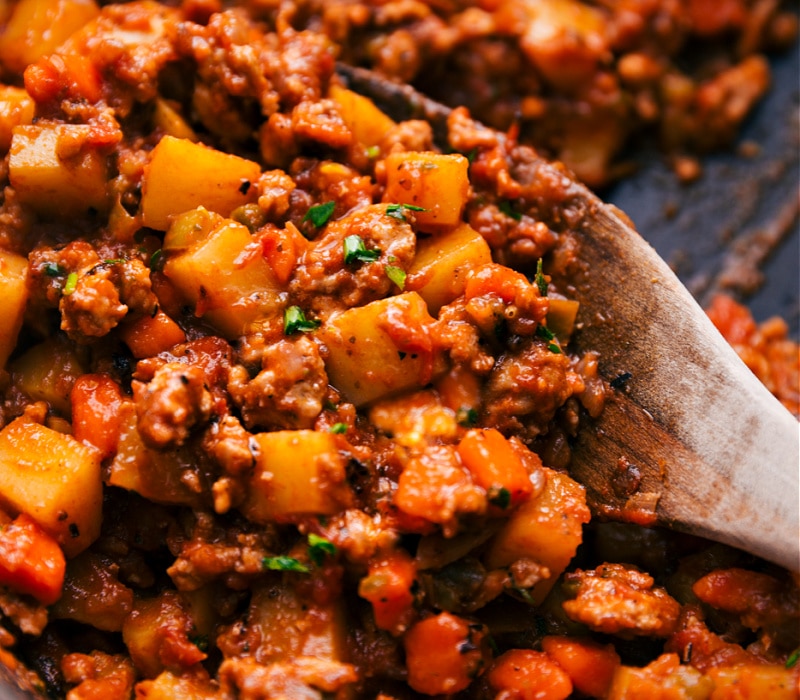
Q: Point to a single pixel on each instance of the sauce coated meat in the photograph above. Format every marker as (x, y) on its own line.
(286, 391)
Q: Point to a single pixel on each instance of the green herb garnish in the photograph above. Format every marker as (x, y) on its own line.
(508, 210)
(541, 282)
(319, 548)
(500, 497)
(71, 283)
(544, 333)
(398, 211)
(467, 417)
(319, 214)
(338, 428)
(295, 321)
(52, 269)
(157, 260)
(356, 251)
(396, 275)
(794, 657)
(373, 151)
(283, 563)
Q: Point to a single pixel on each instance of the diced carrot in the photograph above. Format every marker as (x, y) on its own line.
(150, 335)
(96, 416)
(495, 466)
(524, 674)
(589, 665)
(31, 561)
(388, 586)
(444, 653)
(281, 248)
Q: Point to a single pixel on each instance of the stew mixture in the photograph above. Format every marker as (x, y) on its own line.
(286, 392)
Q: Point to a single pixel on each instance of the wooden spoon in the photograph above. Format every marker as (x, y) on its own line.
(689, 437)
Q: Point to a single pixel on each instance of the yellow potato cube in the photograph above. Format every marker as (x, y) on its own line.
(440, 267)
(381, 348)
(47, 372)
(298, 472)
(546, 528)
(14, 293)
(366, 122)
(38, 27)
(16, 108)
(54, 479)
(437, 183)
(182, 175)
(154, 475)
(55, 171)
(227, 278)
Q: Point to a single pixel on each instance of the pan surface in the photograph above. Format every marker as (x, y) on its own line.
(736, 228)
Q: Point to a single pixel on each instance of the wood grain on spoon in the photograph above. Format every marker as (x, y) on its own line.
(689, 437)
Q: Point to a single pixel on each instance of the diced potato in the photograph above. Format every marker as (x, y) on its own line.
(150, 335)
(157, 635)
(381, 348)
(54, 479)
(546, 528)
(226, 277)
(55, 171)
(154, 475)
(47, 372)
(292, 627)
(366, 122)
(442, 262)
(93, 594)
(298, 472)
(38, 27)
(753, 681)
(14, 293)
(16, 108)
(561, 317)
(170, 121)
(438, 183)
(168, 686)
(182, 175)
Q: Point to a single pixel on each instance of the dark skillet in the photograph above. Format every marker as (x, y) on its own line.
(736, 229)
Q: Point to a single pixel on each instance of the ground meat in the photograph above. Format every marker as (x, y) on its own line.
(302, 678)
(288, 392)
(98, 676)
(326, 280)
(24, 612)
(619, 599)
(171, 404)
(104, 294)
(526, 387)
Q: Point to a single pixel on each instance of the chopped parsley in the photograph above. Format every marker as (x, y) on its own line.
(541, 282)
(396, 275)
(545, 333)
(157, 260)
(113, 261)
(295, 321)
(373, 151)
(319, 214)
(320, 548)
(52, 269)
(467, 417)
(338, 428)
(794, 657)
(500, 497)
(71, 284)
(283, 563)
(398, 211)
(508, 210)
(356, 251)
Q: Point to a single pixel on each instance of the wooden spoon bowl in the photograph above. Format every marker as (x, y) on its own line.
(689, 437)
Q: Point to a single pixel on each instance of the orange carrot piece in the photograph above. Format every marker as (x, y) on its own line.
(524, 673)
(150, 335)
(96, 416)
(388, 586)
(495, 466)
(444, 653)
(589, 665)
(31, 561)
